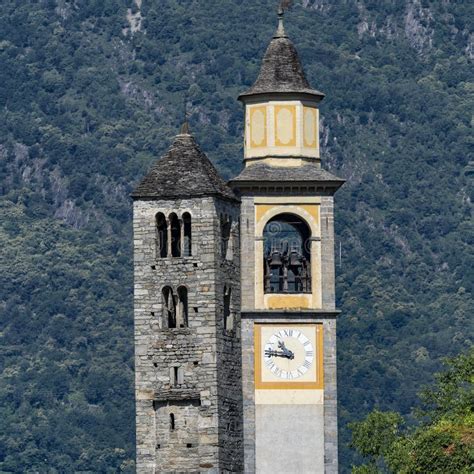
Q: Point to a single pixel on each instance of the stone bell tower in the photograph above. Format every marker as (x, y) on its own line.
(187, 316)
(287, 267)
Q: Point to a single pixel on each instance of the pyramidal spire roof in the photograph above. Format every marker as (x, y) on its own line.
(281, 70)
(183, 172)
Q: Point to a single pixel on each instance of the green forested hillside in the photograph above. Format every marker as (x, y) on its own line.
(91, 92)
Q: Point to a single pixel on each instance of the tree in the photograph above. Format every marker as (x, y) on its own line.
(442, 441)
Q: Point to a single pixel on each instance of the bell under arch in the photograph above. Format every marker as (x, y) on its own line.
(287, 255)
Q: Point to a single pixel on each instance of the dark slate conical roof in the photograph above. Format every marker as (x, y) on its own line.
(183, 172)
(281, 70)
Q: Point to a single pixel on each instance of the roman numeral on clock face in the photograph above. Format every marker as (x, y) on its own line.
(277, 371)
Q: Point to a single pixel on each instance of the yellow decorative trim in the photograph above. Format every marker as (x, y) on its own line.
(291, 110)
(311, 209)
(261, 209)
(317, 130)
(318, 384)
(287, 200)
(310, 213)
(285, 301)
(254, 124)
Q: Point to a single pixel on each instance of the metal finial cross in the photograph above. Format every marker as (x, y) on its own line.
(284, 5)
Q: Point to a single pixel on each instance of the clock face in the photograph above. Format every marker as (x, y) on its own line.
(288, 356)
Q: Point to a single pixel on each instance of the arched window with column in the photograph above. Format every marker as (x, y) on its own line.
(187, 237)
(182, 309)
(161, 236)
(169, 308)
(175, 228)
(287, 256)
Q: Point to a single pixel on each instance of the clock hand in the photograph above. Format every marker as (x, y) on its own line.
(289, 354)
(272, 353)
(285, 353)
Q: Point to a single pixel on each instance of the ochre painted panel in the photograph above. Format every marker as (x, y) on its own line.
(310, 127)
(258, 127)
(285, 125)
(287, 301)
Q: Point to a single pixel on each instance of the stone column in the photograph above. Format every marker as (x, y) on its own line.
(181, 237)
(170, 236)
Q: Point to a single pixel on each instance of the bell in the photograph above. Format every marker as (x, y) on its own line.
(275, 259)
(295, 259)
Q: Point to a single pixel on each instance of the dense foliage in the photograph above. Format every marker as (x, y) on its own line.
(443, 442)
(91, 93)
(67, 365)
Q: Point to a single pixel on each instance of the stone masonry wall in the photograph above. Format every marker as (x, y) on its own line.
(247, 237)
(327, 252)
(229, 363)
(192, 423)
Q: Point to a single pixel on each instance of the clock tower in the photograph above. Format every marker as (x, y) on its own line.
(288, 312)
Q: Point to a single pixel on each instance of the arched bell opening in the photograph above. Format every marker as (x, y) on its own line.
(162, 236)
(182, 310)
(175, 235)
(287, 255)
(169, 308)
(187, 237)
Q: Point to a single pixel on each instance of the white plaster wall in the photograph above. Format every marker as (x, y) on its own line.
(286, 442)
